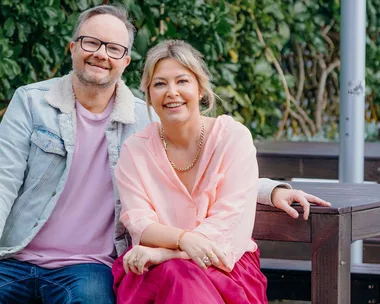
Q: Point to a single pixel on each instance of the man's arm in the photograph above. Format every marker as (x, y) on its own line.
(281, 196)
(266, 187)
(15, 132)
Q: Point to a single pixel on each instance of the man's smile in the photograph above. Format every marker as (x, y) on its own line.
(98, 65)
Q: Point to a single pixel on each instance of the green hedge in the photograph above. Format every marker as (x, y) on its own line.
(268, 58)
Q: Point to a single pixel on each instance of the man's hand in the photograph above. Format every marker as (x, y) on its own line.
(282, 199)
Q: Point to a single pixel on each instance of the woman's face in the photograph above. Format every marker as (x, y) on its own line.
(174, 92)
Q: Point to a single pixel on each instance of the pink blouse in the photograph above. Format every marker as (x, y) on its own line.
(222, 204)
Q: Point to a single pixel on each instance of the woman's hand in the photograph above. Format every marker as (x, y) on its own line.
(140, 258)
(202, 250)
(282, 199)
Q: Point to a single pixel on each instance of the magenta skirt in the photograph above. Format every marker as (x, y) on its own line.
(183, 282)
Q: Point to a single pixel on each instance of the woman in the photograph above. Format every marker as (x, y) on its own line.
(188, 187)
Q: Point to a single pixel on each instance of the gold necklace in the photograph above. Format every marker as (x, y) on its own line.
(187, 168)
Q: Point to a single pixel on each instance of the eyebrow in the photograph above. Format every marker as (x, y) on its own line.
(162, 78)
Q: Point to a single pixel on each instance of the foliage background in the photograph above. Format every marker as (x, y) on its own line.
(275, 63)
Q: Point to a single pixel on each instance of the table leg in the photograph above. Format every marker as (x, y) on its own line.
(330, 276)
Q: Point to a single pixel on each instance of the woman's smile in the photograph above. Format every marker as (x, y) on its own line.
(173, 105)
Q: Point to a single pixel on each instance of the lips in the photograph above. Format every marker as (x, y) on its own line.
(98, 65)
(173, 104)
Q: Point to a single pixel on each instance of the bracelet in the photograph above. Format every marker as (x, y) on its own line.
(179, 239)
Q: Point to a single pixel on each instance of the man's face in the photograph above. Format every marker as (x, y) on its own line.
(97, 69)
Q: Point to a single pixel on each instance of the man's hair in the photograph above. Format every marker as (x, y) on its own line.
(186, 55)
(113, 10)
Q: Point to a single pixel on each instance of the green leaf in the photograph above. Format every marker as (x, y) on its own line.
(275, 10)
(136, 56)
(9, 27)
(299, 8)
(290, 80)
(263, 68)
(51, 13)
(284, 31)
(11, 68)
(7, 2)
(82, 4)
(6, 84)
(43, 50)
(137, 11)
(223, 26)
(142, 40)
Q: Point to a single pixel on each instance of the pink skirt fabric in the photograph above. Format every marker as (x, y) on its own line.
(183, 282)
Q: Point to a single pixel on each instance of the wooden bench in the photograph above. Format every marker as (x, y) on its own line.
(286, 160)
(354, 215)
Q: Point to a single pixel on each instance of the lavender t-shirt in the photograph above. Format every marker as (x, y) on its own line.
(80, 229)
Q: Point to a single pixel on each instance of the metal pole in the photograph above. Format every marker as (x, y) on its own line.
(352, 94)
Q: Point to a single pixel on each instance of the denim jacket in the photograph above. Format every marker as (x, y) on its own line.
(37, 137)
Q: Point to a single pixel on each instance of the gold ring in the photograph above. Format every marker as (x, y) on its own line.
(210, 255)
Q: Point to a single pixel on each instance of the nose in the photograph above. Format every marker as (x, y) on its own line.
(172, 91)
(101, 53)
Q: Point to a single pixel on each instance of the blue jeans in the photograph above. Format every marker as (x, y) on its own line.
(22, 282)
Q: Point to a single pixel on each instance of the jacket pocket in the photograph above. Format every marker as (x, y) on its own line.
(47, 151)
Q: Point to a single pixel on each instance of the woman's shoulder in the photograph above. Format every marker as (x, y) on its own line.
(237, 140)
(231, 128)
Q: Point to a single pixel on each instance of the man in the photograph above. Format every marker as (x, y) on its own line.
(59, 143)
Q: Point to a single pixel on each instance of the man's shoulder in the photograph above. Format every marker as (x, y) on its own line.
(44, 85)
(142, 136)
(139, 102)
(141, 105)
(35, 93)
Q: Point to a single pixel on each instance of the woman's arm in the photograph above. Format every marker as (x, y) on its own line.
(141, 220)
(159, 235)
(140, 258)
(137, 211)
(231, 217)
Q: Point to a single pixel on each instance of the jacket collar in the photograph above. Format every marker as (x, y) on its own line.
(62, 96)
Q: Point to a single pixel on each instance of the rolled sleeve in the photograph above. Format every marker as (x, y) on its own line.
(231, 217)
(266, 187)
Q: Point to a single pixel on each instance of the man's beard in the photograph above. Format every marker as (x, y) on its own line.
(90, 81)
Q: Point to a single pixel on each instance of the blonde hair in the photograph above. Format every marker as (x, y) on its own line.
(190, 58)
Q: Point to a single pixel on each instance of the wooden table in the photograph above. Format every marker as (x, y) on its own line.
(285, 160)
(354, 215)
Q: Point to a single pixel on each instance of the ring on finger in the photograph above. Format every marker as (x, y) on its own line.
(136, 261)
(206, 260)
(210, 255)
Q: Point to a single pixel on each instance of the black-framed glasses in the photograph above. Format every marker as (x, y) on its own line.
(91, 44)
